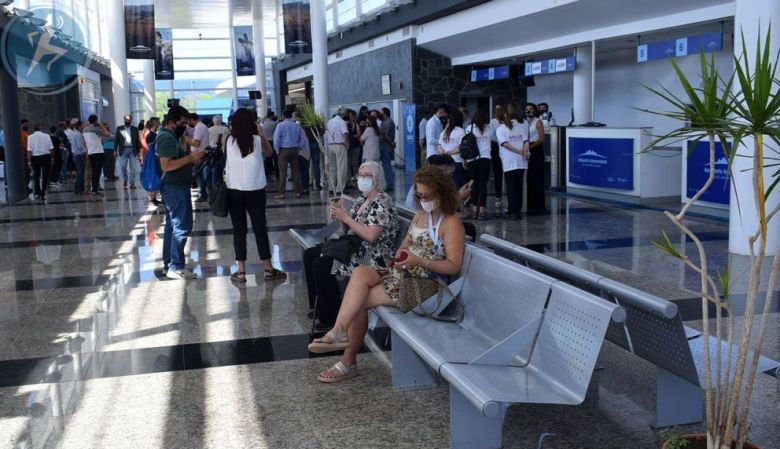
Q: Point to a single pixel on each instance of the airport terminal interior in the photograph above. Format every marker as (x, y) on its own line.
(566, 209)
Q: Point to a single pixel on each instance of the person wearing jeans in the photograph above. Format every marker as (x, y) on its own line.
(289, 139)
(39, 150)
(127, 145)
(177, 166)
(93, 136)
(245, 179)
(127, 165)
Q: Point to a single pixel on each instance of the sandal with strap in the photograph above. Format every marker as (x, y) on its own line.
(338, 342)
(238, 276)
(274, 274)
(345, 371)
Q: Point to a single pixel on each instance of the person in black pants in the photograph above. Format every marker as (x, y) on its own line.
(535, 182)
(245, 179)
(58, 145)
(479, 168)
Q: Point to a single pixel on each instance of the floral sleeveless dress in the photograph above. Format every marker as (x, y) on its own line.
(420, 244)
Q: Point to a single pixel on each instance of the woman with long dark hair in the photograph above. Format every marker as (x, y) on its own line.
(245, 151)
(449, 144)
(479, 168)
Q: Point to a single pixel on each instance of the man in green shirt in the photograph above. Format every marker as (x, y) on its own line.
(176, 165)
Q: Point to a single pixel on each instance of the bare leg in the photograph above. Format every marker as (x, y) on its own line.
(241, 266)
(356, 296)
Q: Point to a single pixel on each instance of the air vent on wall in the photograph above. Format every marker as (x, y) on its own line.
(371, 43)
(406, 31)
(338, 54)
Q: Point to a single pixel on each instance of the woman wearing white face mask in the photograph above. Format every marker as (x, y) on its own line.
(433, 247)
(374, 219)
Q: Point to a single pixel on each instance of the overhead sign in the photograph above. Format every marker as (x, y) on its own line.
(684, 46)
(490, 74)
(550, 66)
(698, 171)
(601, 162)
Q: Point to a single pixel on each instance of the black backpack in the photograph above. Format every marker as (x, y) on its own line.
(468, 147)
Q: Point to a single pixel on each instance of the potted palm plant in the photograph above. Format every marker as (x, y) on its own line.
(315, 123)
(733, 109)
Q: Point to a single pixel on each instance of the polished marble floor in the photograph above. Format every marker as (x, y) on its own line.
(97, 351)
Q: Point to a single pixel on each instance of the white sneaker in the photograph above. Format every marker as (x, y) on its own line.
(182, 273)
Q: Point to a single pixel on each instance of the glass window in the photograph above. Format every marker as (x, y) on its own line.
(347, 11)
(371, 5)
(184, 65)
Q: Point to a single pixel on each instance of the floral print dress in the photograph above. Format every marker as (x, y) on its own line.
(420, 244)
(380, 211)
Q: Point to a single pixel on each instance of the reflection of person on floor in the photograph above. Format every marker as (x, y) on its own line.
(433, 247)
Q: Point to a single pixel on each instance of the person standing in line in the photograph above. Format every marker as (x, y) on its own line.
(466, 117)
(289, 140)
(25, 133)
(479, 168)
(148, 138)
(513, 141)
(39, 151)
(198, 140)
(495, 160)
(93, 136)
(218, 133)
(177, 166)
(449, 144)
(337, 138)
(422, 160)
(62, 128)
(535, 181)
(434, 128)
(245, 179)
(387, 145)
(304, 157)
(269, 128)
(354, 156)
(546, 116)
(127, 145)
(370, 140)
(69, 133)
(314, 159)
(79, 148)
(56, 158)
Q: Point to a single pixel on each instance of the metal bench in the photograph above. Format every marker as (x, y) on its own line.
(653, 330)
(486, 357)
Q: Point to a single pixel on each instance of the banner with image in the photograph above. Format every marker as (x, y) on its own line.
(602, 162)
(297, 26)
(139, 29)
(698, 171)
(245, 55)
(163, 54)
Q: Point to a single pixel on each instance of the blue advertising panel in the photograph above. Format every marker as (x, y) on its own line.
(601, 162)
(684, 46)
(410, 138)
(698, 171)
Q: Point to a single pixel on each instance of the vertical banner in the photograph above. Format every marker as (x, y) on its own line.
(139, 29)
(163, 54)
(297, 26)
(245, 57)
(410, 138)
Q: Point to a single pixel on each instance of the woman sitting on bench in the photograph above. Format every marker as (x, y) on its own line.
(435, 245)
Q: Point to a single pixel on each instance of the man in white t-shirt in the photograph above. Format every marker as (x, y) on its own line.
(337, 140)
(93, 136)
(434, 128)
(39, 151)
(421, 136)
(198, 140)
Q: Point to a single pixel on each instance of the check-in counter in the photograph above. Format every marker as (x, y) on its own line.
(696, 171)
(609, 163)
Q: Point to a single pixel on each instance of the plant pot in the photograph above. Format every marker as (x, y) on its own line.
(699, 441)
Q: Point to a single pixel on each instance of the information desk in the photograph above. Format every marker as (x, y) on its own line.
(610, 163)
(696, 171)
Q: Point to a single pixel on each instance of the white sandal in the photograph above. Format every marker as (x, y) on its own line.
(338, 342)
(346, 371)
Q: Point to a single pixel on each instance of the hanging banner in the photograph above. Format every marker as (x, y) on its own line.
(139, 29)
(163, 54)
(245, 57)
(297, 26)
(410, 138)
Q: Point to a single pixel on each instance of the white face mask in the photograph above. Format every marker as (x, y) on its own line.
(429, 206)
(365, 184)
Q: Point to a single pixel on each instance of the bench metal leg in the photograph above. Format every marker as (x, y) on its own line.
(677, 401)
(410, 372)
(469, 428)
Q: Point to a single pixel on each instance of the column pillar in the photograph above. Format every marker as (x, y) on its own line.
(319, 56)
(583, 84)
(258, 37)
(115, 15)
(233, 56)
(150, 93)
(14, 153)
(752, 18)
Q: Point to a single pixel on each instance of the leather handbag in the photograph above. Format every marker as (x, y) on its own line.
(414, 290)
(341, 248)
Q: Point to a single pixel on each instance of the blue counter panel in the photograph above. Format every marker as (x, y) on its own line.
(600, 162)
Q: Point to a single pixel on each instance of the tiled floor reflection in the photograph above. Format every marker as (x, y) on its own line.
(98, 351)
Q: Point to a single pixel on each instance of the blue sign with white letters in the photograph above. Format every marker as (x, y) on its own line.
(698, 171)
(490, 74)
(602, 162)
(550, 66)
(680, 47)
(410, 139)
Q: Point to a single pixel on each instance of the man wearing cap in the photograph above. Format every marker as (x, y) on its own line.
(336, 138)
